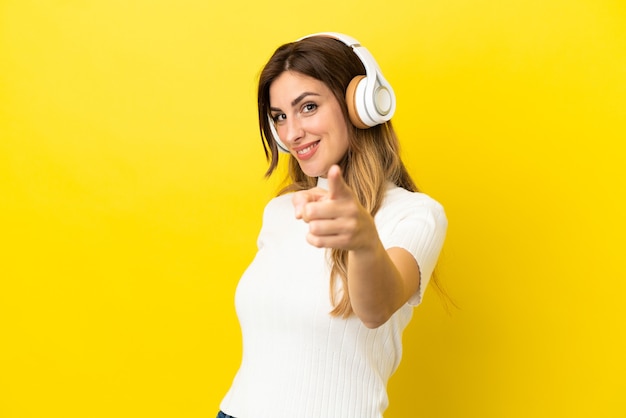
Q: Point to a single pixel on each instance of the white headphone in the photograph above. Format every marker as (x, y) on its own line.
(370, 98)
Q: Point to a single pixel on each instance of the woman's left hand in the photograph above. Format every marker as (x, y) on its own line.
(336, 218)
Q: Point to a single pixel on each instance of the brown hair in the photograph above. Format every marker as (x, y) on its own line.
(373, 157)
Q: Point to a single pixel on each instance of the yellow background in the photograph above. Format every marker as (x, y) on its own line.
(131, 191)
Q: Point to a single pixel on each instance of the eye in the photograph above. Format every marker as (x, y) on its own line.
(309, 107)
(278, 117)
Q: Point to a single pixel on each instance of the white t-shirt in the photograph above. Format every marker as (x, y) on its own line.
(298, 360)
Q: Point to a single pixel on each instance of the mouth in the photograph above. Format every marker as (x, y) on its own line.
(307, 150)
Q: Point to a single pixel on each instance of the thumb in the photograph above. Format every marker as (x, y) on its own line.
(337, 187)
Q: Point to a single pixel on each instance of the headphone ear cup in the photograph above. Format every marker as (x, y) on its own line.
(370, 98)
(354, 100)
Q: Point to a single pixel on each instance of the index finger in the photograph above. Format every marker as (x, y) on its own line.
(337, 186)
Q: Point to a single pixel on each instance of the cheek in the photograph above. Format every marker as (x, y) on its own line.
(314, 125)
(338, 129)
(342, 136)
(280, 130)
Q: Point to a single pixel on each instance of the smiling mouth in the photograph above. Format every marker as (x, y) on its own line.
(307, 149)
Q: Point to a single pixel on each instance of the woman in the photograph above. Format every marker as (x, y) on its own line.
(345, 251)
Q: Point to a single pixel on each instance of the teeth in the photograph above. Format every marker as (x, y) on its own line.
(305, 150)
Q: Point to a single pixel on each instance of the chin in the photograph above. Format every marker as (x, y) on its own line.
(311, 170)
(314, 172)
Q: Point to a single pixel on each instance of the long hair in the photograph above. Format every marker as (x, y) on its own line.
(373, 156)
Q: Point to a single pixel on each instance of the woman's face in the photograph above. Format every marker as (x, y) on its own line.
(309, 122)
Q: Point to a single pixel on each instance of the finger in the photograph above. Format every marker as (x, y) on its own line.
(326, 227)
(337, 187)
(302, 198)
(328, 241)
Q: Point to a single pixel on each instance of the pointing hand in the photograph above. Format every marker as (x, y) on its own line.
(336, 218)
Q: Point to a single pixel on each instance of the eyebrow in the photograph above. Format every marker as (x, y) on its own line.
(296, 100)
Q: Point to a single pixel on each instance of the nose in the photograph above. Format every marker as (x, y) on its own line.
(293, 130)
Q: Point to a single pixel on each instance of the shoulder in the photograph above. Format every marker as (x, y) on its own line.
(280, 208)
(400, 203)
(279, 201)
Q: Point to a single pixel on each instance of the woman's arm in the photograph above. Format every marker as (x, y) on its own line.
(380, 281)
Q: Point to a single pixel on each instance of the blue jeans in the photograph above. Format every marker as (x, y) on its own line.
(223, 415)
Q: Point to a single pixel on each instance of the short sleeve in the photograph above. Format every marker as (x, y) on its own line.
(417, 223)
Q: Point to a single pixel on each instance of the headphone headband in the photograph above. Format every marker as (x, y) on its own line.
(370, 98)
(375, 103)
